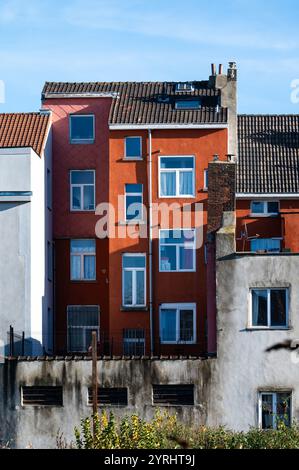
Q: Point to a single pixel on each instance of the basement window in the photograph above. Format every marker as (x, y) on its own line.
(82, 128)
(275, 409)
(173, 395)
(42, 396)
(269, 308)
(110, 396)
(133, 342)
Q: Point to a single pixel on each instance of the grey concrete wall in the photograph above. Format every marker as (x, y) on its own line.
(38, 426)
(243, 368)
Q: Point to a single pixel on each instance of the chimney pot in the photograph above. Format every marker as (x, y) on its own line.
(216, 158)
(213, 67)
(220, 69)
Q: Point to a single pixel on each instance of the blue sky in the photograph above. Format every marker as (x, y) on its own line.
(144, 40)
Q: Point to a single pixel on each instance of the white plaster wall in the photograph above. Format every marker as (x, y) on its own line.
(243, 368)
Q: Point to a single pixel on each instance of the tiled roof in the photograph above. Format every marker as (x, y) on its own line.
(149, 102)
(268, 154)
(23, 130)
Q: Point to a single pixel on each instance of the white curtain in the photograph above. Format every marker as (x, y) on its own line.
(168, 184)
(186, 183)
(89, 267)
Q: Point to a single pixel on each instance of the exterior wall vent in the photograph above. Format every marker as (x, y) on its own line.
(110, 396)
(42, 396)
(173, 395)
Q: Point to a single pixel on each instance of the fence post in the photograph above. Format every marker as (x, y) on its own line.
(94, 381)
(23, 343)
(11, 341)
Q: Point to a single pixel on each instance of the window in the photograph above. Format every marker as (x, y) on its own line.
(134, 342)
(49, 189)
(110, 396)
(50, 261)
(82, 128)
(42, 396)
(206, 180)
(173, 395)
(82, 190)
(81, 322)
(177, 250)
(270, 245)
(133, 147)
(83, 260)
(178, 323)
(134, 280)
(269, 308)
(133, 202)
(187, 104)
(176, 176)
(274, 408)
(265, 208)
(184, 86)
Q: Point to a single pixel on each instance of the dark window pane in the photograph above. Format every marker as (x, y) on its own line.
(187, 104)
(82, 128)
(133, 207)
(168, 258)
(278, 308)
(133, 188)
(259, 308)
(88, 198)
(257, 207)
(133, 147)
(186, 325)
(134, 261)
(284, 408)
(168, 325)
(76, 199)
(82, 177)
(273, 207)
(177, 163)
(267, 411)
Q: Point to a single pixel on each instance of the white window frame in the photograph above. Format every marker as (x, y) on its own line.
(265, 212)
(82, 255)
(274, 406)
(206, 179)
(81, 141)
(125, 202)
(177, 172)
(81, 186)
(187, 87)
(127, 157)
(268, 326)
(83, 328)
(178, 307)
(178, 245)
(134, 285)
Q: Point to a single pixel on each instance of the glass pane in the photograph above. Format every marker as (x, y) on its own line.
(186, 258)
(89, 267)
(186, 183)
(168, 325)
(134, 348)
(82, 177)
(75, 267)
(83, 246)
(133, 207)
(273, 207)
(140, 294)
(133, 147)
(83, 315)
(186, 325)
(278, 308)
(82, 128)
(134, 188)
(257, 207)
(259, 308)
(88, 198)
(134, 333)
(174, 162)
(267, 411)
(76, 198)
(284, 408)
(168, 184)
(265, 244)
(190, 104)
(133, 261)
(168, 258)
(128, 297)
(176, 236)
(75, 339)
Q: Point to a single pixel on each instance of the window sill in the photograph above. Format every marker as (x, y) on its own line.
(131, 222)
(132, 159)
(82, 142)
(178, 272)
(81, 210)
(134, 309)
(84, 281)
(176, 197)
(257, 216)
(265, 328)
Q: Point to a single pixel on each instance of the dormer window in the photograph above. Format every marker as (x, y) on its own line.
(187, 104)
(185, 86)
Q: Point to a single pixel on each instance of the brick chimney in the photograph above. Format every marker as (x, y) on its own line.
(227, 84)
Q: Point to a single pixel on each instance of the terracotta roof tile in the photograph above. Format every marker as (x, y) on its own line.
(24, 130)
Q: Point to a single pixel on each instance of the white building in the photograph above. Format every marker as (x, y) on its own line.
(26, 267)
